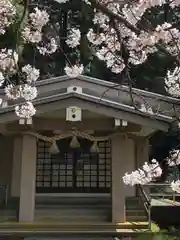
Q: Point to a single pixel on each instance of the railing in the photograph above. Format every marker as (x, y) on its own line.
(154, 191)
(146, 201)
(4, 195)
(162, 190)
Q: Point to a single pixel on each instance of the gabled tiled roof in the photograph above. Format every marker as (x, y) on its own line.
(105, 97)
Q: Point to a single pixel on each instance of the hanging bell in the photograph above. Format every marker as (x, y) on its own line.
(74, 142)
(94, 148)
(54, 148)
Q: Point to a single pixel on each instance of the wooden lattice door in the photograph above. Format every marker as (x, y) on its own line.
(73, 170)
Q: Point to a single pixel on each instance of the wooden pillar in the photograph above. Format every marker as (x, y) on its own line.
(142, 154)
(16, 168)
(123, 160)
(142, 151)
(28, 179)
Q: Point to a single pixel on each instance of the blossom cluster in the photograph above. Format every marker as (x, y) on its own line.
(8, 60)
(7, 14)
(27, 91)
(32, 33)
(172, 82)
(73, 39)
(174, 158)
(109, 39)
(139, 46)
(74, 71)
(25, 111)
(151, 171)
(148, 173)
(175, 185)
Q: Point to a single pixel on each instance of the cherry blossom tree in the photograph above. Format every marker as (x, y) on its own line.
(121, 34)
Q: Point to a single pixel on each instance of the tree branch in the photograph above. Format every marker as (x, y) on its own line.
(111, 15)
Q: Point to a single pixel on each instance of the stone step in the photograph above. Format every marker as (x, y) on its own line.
(94, 218)
(73, 206)
(73, 213)
(73, 200)
(84, 210)
(61, 219)
(132, 199)
(136, 218)
(11, 217)
(71, 209)
(8, 219)
(134, 207)
(135, 212)
(51, 226)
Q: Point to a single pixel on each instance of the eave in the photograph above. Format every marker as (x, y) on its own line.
(94, 104)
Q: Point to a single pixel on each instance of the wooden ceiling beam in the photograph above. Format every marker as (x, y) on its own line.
(42, 124)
